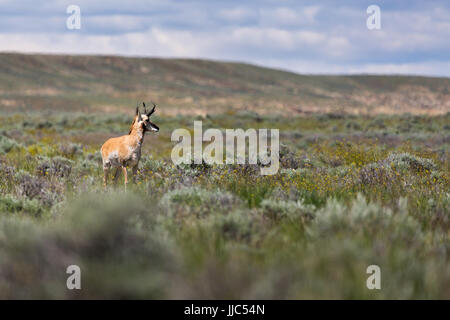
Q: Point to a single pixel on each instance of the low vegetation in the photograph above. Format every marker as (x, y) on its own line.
(351, 192)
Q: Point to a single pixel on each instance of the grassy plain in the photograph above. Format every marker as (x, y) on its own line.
(352, 191)
(364, 180)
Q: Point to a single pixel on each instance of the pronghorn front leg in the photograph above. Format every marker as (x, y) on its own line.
(124, 169)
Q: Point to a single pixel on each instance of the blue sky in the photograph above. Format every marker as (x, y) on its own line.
(302, 36)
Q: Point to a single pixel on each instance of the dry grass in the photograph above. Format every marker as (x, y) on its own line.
(114, 84)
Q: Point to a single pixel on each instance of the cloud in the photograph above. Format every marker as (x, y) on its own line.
(237, 15)
(283, 16)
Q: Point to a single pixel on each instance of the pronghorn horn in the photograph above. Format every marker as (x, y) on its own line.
(145, 108)
(151, 111)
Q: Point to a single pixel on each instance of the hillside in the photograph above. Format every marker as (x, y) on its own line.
(110, 84)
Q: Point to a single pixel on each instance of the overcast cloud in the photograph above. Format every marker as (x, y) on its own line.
(301, 36)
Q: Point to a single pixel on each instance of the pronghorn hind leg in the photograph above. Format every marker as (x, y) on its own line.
(133, 177)
(105, 176)
(116, 175)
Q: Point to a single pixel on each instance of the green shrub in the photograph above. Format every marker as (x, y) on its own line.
(149, 164)
(7, 144)
(406, 161)
(198, 197)
(112, 238)
(86, 166)
(56, 167)
(237, 225)
(277, 209)
(71, 149)
(33, 187)
(367, 218)
(12, 204)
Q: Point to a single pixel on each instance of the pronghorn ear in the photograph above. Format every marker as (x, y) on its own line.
(138, 113)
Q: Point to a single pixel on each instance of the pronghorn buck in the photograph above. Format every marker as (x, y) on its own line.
(125, 151)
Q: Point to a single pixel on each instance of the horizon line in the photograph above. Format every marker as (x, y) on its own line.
(255, 64)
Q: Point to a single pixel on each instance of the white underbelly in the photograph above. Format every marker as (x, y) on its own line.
(130, 160)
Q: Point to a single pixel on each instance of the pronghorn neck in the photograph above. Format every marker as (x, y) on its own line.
(138, 132)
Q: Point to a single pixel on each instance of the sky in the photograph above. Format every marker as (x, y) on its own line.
(312, 37)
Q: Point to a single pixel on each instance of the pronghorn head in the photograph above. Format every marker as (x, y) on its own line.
(143, 119)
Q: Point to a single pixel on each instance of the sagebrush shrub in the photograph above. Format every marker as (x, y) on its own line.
(278, 209)
(203, 199)
(57, 166)
(13, 204)
(406, 161)
(71, 149)
(7, 144)
(33, 187)
(112, 238)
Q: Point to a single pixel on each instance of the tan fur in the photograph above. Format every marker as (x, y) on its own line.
(125, 151)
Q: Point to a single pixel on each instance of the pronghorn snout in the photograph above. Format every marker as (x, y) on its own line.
(153, 127)
(145, 118)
